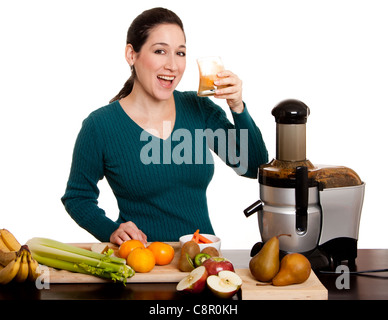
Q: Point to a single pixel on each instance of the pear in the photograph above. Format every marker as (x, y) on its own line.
(265, 264)
(294, 268)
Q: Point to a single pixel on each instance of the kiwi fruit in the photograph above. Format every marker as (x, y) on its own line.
(213, 252)
(191, 248)
(188, 252)
(185, 264)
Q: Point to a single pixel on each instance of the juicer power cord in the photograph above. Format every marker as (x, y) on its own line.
(359, 273)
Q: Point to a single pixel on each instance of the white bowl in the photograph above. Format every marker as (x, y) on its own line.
(216, 241)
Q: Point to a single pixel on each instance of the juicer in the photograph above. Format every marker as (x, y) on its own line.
(319, 206)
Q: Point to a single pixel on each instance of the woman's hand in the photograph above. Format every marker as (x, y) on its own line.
(232, 93)
(127, 231)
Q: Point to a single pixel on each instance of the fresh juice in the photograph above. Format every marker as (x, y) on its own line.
(208, 69)
(206, 85)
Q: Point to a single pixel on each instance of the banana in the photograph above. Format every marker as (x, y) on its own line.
(10, 241)
(6, 257)
(22, 274)
(33, 267)
(11, 270)
(3, 246)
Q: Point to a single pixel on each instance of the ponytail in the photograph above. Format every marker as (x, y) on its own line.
(127, 88)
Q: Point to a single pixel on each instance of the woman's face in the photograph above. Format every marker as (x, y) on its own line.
(161, 62)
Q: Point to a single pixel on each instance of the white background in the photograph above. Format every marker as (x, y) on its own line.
(60, 60)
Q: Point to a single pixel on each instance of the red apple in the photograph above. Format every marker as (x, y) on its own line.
(194, 282)
(225, 284)
(214, 265)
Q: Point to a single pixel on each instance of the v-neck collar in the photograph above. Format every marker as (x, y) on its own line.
(141, 129)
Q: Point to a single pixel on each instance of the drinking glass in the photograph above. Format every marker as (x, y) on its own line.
(208, 69)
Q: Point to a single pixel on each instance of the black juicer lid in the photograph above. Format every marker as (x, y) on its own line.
(291, 111)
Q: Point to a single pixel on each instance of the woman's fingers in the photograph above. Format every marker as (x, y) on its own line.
(127, 231)
(232, 91)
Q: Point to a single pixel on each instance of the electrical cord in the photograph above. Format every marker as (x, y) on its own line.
(356, 272)
(365, 273)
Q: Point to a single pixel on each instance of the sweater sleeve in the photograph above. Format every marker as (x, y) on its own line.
(245, 149)
(80, 198)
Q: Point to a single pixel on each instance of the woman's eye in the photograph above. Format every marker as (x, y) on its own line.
(181, 54)
(160, 51)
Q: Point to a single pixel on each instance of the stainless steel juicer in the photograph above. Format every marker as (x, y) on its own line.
(319, 206)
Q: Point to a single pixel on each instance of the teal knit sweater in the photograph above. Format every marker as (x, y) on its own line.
(160, 185)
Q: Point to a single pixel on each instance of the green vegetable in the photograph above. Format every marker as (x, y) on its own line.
(59, 255)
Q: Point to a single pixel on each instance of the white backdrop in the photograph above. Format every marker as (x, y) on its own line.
(60, 60)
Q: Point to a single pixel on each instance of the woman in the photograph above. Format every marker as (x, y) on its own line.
(147, 143)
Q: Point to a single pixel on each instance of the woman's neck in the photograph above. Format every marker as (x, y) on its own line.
(149, 113)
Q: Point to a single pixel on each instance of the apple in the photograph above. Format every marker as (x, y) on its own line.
(214, 265)
(194, 282)
(225, 284)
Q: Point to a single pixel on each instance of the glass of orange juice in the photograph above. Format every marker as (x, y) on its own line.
(208, 69)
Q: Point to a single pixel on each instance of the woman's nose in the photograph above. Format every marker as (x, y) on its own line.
(171, 64)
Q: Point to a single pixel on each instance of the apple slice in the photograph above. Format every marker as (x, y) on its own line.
(225, 284)
(194, 282)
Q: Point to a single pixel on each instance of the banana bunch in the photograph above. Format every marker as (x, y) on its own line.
(16, 262)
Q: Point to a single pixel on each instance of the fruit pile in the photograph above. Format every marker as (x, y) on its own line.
(265, 266)
(143, 259)
(192, 256)
(16, 262)
(207, 269)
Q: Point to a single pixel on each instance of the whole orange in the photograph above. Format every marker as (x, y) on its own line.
(127, 246)
(163, 252)
(141, 260)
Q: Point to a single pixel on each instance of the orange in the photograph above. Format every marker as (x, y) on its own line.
(163, 252)
(141, 260)
(127, 246)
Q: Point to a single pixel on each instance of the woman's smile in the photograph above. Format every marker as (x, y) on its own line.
(166, 81)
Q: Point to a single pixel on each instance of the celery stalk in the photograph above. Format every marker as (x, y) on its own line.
(68, 257)
(73, 249)
(83, 268)
(59, 254)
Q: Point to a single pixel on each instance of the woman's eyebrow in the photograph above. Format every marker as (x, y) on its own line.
(167, 45)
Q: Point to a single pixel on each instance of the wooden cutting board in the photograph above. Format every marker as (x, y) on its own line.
(168, 273)
(311, 289)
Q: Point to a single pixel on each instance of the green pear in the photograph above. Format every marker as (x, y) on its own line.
(265, 264)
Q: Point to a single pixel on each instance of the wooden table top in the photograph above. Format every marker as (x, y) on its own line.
(371, 286)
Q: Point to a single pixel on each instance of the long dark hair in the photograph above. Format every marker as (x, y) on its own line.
(138, 33)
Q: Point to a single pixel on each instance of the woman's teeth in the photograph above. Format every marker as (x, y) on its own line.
(167, 78)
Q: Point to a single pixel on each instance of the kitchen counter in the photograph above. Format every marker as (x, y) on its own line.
(372, 286)
(368, 286)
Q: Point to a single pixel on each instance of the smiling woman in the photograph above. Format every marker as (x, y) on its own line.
(138, 34)
(159, 66)
(158, 200)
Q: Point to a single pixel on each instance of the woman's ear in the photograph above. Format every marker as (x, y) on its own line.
(130, 54)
